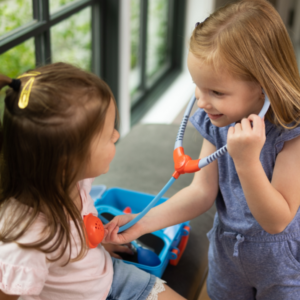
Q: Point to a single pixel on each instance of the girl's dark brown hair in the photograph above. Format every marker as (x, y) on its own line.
(43, 147)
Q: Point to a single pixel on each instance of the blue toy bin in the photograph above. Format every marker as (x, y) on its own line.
(168, 243)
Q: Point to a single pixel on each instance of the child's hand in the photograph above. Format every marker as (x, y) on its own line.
(112, 249)
(245, 141)
(126, 236)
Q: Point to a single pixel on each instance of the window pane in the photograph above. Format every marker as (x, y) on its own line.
(157, 37)
(55, 5)
(16, 61)
(71, 40)
(135, 72)
(14, 13)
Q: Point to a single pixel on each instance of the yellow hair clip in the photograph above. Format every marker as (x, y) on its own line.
(25, 94)
(31, 74)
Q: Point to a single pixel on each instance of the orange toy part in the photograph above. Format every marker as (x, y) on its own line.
(181, 248)
(183, 163)
(94, 230)
(127, 210)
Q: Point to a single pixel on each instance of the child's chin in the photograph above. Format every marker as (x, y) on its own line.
(96, 174)
(104, 172)
(219, 123)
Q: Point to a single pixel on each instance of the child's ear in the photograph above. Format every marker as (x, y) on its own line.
(262, 95)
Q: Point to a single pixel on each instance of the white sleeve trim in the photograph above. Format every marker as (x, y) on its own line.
(157, 288)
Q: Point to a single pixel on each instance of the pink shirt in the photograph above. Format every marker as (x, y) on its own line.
(28, 272)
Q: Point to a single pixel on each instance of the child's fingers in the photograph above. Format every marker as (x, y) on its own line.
(110, 225)
(119, 220)
(123, 237)
(108, 237)
(113, 228)
(233, 130)
(123, 249)
(237, 127)
(115, 255)
(128, 245)
(114, 238)
(105, 233)
(258, 123)
(230, 131)
(108, 228)
(246, 125)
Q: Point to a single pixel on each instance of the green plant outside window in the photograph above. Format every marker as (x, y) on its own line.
(14, 14)
(157, 37)
(17, 61)
(71, 40)
(135, 68)
(57, 4)
(157, 56)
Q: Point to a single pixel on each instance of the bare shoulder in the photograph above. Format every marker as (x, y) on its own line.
(286, 177)
(289, 152)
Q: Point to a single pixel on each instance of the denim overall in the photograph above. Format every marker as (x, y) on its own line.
(246, 262)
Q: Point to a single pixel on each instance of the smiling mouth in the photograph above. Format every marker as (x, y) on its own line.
(215, 116)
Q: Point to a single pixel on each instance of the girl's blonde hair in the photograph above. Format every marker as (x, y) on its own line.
(43, 147)
(249, 39)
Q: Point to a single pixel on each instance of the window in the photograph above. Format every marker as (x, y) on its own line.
(156, 50)
(52, 25)
(72, 39)
(86, 33)
(45, 31)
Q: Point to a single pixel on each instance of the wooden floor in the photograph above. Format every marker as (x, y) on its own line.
(203, 295)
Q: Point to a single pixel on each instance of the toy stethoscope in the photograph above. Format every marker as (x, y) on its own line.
(182, 164)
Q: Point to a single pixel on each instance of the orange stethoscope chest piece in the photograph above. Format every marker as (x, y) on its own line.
(94, 230)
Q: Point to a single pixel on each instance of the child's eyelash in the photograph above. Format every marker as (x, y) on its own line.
(218, 93)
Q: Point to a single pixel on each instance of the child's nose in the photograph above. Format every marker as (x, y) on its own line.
(202, 101)
(118, 135)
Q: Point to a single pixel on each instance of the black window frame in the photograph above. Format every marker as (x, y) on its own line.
(147, 96)
(105, 43)
(39, 28)
(105, 29)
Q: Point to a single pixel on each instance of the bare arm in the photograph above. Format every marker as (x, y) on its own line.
(7, 297)
(192, 200)
(273, 204)
(185, 205)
